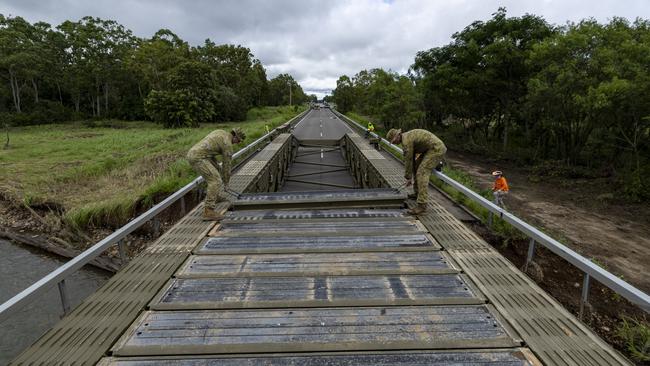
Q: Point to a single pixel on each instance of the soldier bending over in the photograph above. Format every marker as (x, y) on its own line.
(431, 152)
(202, 158)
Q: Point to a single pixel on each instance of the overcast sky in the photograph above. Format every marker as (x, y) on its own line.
(317, 41)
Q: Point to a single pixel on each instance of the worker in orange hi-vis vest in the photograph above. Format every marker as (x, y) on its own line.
(500, 188)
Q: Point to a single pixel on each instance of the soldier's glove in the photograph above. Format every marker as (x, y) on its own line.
(439, 166)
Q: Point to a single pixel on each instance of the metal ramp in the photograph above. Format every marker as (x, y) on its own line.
(295, 286)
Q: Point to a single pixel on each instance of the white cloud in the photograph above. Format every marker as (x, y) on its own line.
(317, 41)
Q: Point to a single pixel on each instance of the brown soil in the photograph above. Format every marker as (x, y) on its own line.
(584, 214)
(616, 235)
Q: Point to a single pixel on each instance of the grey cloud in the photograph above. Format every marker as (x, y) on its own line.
(317, 41)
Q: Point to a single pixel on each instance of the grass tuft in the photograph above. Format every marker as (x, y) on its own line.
(636, 335)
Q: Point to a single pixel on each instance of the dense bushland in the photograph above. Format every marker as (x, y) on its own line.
(571, 99)
(97, 68)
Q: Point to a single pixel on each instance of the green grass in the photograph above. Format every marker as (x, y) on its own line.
(101, 171)
(636, 335)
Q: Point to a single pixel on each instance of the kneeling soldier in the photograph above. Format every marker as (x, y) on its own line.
(202, 158)
(431, 151)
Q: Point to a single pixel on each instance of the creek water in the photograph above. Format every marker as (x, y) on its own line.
(20, 267)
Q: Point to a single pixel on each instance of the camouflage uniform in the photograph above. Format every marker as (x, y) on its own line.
(202, 158)
(431, 150)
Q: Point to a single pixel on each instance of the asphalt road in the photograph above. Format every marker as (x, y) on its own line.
(321, 124)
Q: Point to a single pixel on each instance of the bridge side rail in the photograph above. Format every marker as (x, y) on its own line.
(59, 275)
(589, 269)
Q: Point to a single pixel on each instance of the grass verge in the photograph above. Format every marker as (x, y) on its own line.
(101, 172)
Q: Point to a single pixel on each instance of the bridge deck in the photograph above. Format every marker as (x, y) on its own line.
(291, 279)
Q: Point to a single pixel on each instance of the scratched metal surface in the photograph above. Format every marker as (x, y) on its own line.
(313, 329)
(314, 264)
(495, 357)
(316, 243)
(315, 291)
(255, 215)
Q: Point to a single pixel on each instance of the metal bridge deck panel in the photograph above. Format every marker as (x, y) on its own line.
(555, 335)
(331, 195)
(351, 226)
(317, 291)
(317, 264)
(319, 199)
(257, 215)
(313, 329)
(487, 357)
(316, 244)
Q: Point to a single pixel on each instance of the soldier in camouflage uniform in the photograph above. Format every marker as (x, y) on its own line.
(431, 151)
(202, 158)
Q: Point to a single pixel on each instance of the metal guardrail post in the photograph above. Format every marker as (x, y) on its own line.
(182, 203)
(122, 249)
(584, 298)
(63, 292)
(156, 226)
(531, 253)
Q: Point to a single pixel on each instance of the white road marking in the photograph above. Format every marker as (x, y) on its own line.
(303, 118)
(321, 154)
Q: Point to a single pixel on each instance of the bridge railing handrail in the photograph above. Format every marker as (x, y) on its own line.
(59, 275)
(589, 268)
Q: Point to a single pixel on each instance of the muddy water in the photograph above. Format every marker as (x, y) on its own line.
(19, 268)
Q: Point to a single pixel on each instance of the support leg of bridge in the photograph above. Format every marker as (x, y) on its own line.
(122, 249)
(65, 302)
(183, 208)
(531, 253)
(584, 298)
(156, 227)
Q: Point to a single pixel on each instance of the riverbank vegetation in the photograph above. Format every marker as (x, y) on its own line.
(99, 172)
(88, 109)
(569, 100)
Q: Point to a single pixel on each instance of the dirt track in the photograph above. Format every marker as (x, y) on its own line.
(580, 213)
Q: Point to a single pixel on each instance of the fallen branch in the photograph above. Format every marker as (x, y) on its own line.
(107, 264)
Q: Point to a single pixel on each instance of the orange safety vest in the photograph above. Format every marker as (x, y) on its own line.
(500, 185)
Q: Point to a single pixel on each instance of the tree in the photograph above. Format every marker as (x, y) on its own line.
(96, 67)
(284, 90)
(189, 99)
(343, 95)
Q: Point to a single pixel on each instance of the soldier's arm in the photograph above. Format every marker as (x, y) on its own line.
(408, 159)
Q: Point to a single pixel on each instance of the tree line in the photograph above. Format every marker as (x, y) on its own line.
(98, 68)
(574, 98)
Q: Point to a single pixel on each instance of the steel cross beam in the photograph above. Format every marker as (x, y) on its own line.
(321, 164)
(316, 152)
(321, 172)
(321, 183)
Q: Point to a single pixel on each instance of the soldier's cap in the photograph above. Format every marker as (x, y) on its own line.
(497, 173)
(392, 133)
(241, 135)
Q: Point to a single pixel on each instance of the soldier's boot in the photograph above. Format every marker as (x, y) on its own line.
(412, 196)
(418, 210)
(209, 214)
